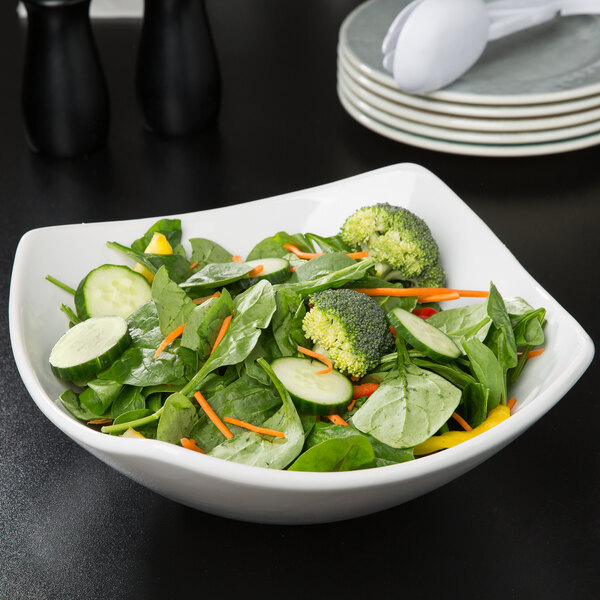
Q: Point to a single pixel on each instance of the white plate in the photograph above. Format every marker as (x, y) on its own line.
(555, 61)
(460, 135)
(392, 93)
(251, 493)
(429, 143)
(352, 82)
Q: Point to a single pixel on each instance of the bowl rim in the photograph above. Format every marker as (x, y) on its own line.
(479, 447)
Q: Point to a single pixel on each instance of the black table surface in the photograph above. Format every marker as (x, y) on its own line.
(524, 524)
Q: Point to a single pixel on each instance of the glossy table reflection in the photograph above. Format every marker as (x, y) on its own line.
(523, 524)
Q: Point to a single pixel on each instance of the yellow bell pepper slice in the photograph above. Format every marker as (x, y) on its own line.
(453, 438)
(158, 245)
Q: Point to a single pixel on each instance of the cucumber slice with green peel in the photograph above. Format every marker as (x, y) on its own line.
(275, 270)
(323, 394)
(111, 290)
(89, 347)
(423, 336)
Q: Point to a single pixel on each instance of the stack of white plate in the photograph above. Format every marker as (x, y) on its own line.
(534, 92)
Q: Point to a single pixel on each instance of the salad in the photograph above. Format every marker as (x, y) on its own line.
(312, 353)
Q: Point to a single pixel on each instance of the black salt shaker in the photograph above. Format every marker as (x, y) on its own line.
(178, 82)
(64, 97)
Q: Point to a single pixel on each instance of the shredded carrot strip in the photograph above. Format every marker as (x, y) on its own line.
(254, 428)
(222, 331)
(190, 444)
(364, 389)
(351, 405)
(461, 421)
(439, 297)
(205, 298)
(357, 255)
(236, 258)
(100, 422)
(306, 255)
(318, 356)
(393, 331)
(511, 403)
(405, 292)
(212, 415)
(194, 264)
(292, 269)
(534, 353)
(257, 269)
(337, 420)
(172, 336)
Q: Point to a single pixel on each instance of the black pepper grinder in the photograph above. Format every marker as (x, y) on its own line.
(177, 81)
(64, 97)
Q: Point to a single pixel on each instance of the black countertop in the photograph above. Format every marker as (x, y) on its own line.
(524, 524)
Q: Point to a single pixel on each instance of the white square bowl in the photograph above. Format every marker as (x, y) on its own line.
(262, 495)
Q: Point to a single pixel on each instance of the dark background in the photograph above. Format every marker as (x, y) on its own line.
(524, 524)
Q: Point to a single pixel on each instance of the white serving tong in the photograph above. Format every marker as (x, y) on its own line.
(431, 43)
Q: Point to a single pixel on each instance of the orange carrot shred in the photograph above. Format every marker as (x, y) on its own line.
(100, 422)
(190, 444)
(318, 356)
(357, 255)
(222, 331)
(534, 353)
(212, 415)
(257, 269)
(461, 421)
(407, 292)
(337, 420)
(205, 298)
(351, 405)
(292, 269)
(439, 297)
(393, 331)
(254, 428)
(194, 264)
(236, 258)
(300, 254)
(511, 403)
(364, 389)
(172, 336)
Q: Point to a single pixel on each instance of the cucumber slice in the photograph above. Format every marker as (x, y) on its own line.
(423, 336)
(324, 394)
(89, 347)
(111, 290)
(275, 270)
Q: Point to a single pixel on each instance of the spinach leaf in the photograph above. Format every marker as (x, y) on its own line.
(99, 395)
(265, 451)
(475, 400)
(336, 454)
(215, 275)
(287, 322)
(463, 323)
(487, 370)
(206, 251)
(170, 228)
(529, 327)
(321, 266)
(244, 399)
(253, 310)
(173, 305)
(177, 265)
(204, 322)
(177, 419)
(273, 246)
(383, 454)
(331, 280)
(266, 348)
(501, 338)
(449, 371)
(405, 411)
(130, 399)
(71, 402)
(332, 243)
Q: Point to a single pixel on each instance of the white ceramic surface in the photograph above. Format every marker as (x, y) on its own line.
(489, 111)
(460, 135)
(352, 82)
(558, 60)
(467, 149)
(262, 495)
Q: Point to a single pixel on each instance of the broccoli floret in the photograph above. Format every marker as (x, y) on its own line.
(351, 327)
(399, 241)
